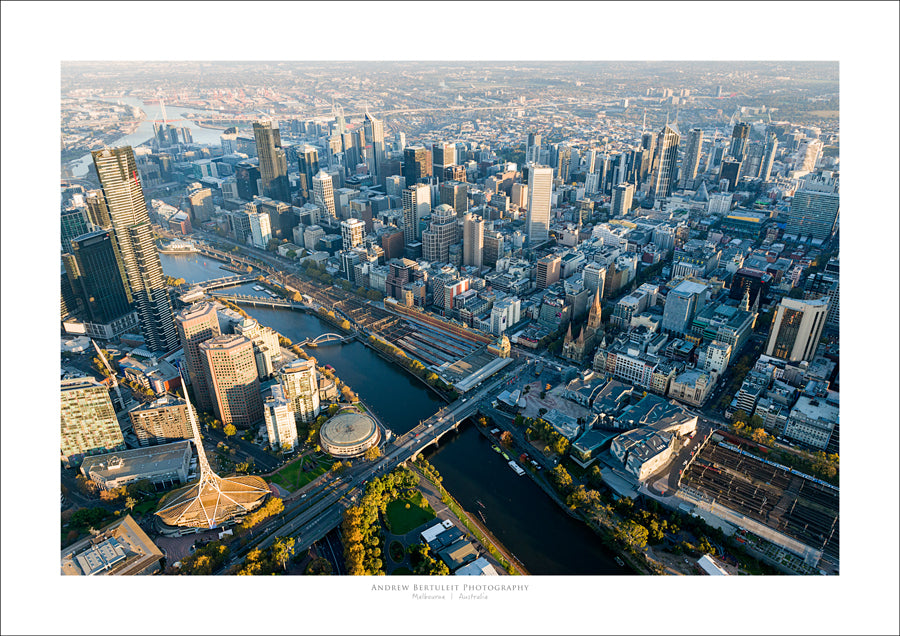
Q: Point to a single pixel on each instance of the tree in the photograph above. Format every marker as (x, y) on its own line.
(632, 534)
(230, 430)
(130, 503)
(338, 467)
(282, 550)
(506, 438)
(372, 453)
(562, 478)
(319, 567)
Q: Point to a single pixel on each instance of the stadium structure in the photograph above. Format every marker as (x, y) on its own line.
(213, 500)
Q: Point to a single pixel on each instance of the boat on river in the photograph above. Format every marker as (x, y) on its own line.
(495, 448)
(519, 470)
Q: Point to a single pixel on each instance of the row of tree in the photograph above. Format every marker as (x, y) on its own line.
(272, 507)
(413, 366)
(543, 431)
(272, 560)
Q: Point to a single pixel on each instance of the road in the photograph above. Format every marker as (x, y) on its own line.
(321, 508)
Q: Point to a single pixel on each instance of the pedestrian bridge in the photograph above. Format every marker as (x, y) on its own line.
(326, 338)
(226, 281)
(260, 301)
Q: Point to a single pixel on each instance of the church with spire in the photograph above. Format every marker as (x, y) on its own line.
(576, 348)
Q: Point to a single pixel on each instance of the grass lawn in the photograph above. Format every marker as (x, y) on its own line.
(408, 513)
(401, 570)
(146, 506)
(292, 478)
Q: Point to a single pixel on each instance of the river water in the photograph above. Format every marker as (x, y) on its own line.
(544, 538)
(145, 130)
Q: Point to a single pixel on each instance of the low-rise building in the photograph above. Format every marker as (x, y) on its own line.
(643, 451)
(119, 549)
(165, 464)
(813, 420)
(692, 386)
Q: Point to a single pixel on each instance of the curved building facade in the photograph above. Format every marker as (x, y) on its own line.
(349, 434)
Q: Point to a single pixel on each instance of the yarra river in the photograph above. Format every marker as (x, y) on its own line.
(533, 527)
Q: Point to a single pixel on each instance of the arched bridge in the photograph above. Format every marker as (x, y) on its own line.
(326, 338)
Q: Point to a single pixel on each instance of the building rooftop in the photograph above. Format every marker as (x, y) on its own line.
(120, 548)
(153, 459)
(816, 409)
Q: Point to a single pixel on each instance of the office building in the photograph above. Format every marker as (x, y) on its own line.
(272, 161)
(443, 156)
(455, 195)
(692, 157)
(231, 374)
(441, 233)
(281, 427)
(417, 164)
(662, 181)
(493, 248)
(260, 227)
(548, 270)
(682, 304)
(797, 328)
(740, 135)
(416, 204)
(99, 276)
(162, 421)
(98, 211)
(300, 383)
(124, 198)
(771, 147)
(88, 423)
(120, 549)
(540, 188)
(323, 194)
(201, 205)
(72, 224)
(473, 240)
(197, 324)
(353, 233)
(813, 214)
(730, 171)
(308, 165)
(594, 277)
(622, 199)
(374, 129)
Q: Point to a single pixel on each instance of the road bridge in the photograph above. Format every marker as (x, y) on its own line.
(310, 518)
(225, 281)
(260, 301)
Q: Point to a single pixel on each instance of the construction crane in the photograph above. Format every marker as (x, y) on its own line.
(112, 375)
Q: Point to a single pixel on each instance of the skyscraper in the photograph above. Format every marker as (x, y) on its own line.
(739, 136)
(666, 155)
(308, 164)
(563, 162)
(88, 423)
(353, 232)
(692, 157)
(416, 204)
(101, 276)
(436, 240)
(473, 240)
(796, 328)
(72, 224)
(197, 324)
(323, 193)
(416, 164)
(272, 161)
(375, 135)
(765, 170)
(124, 199)
(280, 425)
(540, 187)
(443, 156)
(813, 214)
(730, 171)
(230, 367)
(455, 195)
(622, 199)
(300, 382)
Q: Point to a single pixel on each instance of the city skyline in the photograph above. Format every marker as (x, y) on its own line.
(757, 246)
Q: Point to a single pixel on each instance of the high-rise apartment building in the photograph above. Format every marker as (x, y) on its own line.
(124, 199)
(100, 276)
(300, 382)
(197, 324)
(260, 227)
(540, 188)
(272, 161)
(416, 204)
(161, 421)
(280, 424)
(231, 374)
(765, 170)
(623, 196)
(662, 180)
(441, 233)
(417, 164)
(88, 424)
(353, 232)
(473, 240)
(72, 224)
(797, 328)
(323, 193)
